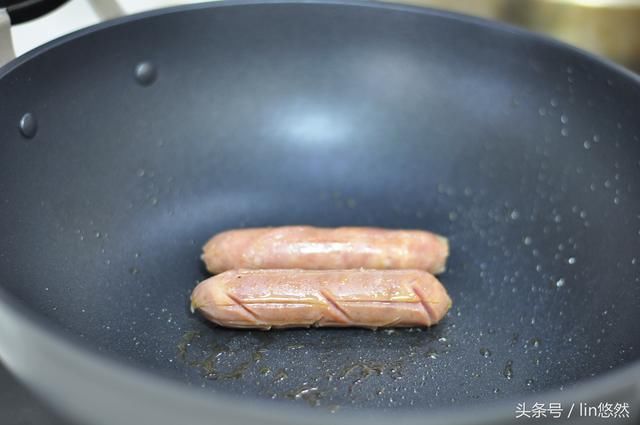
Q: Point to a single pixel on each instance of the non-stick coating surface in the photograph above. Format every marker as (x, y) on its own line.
(525, 154)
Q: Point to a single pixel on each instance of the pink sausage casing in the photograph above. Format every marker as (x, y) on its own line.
(315, 248)
(268, 299)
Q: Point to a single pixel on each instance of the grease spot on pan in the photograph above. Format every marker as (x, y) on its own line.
(508, 370)
(311, 395)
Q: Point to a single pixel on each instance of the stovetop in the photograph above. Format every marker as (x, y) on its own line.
(72, 16)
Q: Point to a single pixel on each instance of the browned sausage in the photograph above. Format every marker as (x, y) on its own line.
(314, 248)
(302, 298)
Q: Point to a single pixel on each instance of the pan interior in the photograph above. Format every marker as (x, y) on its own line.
(523, 153)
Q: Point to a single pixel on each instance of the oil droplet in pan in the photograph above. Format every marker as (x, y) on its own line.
(28, 125)
(508, 370)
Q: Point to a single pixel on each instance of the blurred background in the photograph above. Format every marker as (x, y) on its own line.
(609, 28)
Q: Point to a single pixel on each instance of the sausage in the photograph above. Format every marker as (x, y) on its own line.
(306, 247)
(278, 298)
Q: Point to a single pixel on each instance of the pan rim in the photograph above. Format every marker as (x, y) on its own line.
(175, 392)
(370, 4)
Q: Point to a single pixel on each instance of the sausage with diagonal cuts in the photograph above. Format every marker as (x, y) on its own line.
(301, 298)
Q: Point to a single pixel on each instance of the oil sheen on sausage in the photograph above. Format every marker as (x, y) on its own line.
(278, 298)
(315, 248)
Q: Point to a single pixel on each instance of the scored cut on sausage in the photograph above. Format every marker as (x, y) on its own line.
(315, 248)
(276, 298)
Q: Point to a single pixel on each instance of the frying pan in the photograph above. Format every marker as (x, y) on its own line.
(148, 134)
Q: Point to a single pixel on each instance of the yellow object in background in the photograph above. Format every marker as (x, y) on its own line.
(610, 28)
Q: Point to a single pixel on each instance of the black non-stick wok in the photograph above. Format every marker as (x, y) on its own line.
(125, 146)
